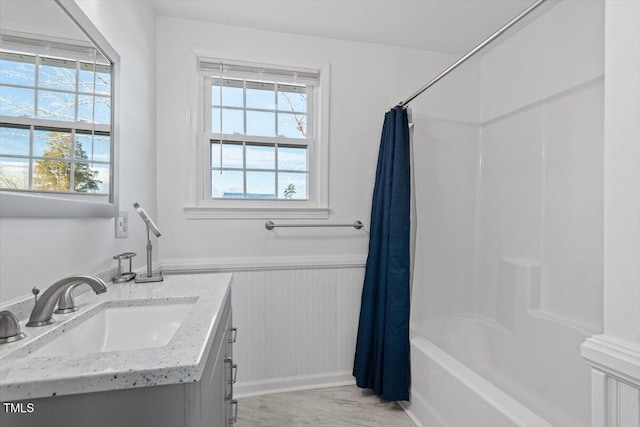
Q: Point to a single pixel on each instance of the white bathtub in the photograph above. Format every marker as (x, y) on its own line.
(469, 371)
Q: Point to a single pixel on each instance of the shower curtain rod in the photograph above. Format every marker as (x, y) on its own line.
(471, 53)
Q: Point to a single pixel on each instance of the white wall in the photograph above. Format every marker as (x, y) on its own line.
(36, 252)
(297, 322)
(366, 80)
(622, 172)
(615, 355)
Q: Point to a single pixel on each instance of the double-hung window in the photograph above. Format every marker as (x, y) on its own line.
(261, 137)
(55, 118)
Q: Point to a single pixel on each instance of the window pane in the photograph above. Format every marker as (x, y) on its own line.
(94, 78)
(215, 120)
(228, 184)
(292, 186)
(292, 158)
(51, 175)
(261, 95)
(14, 173)
(94, 147)
(88, 178)
(84, 144)
(102, 113)
(232, 96)
(52, 144)
(261, 185)
(261, 157)
(292, 125)
(232, 92)
(215, 155)
(103, 80)
(14, 141)
(261, 124)
(17, 102)
(101, 148)
(232, 155)
(57, 74)
(99, 113)
(56, 106)
(232, 121)
(85, 108)
(17, 69)
(86, 78)
(292, 98)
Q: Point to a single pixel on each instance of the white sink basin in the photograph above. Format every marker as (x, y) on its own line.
(120, 329)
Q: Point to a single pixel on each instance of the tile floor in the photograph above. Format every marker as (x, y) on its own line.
(337, 407)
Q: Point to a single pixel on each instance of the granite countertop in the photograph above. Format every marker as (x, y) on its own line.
(181, 360)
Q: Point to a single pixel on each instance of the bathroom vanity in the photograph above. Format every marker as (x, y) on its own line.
(169, 362)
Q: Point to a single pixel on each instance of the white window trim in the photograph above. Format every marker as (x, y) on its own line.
(198, 206)
(47, 205)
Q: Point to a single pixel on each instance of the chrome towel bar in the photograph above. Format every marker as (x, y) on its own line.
(269, 225)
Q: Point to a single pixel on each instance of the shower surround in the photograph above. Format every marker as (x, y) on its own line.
(509, 245)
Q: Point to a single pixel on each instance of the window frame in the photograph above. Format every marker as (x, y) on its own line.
(199, 203)
(37, 204)
(210, 137)
(73, 127)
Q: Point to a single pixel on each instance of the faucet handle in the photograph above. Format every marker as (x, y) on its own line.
(35, 291)
(9, 327)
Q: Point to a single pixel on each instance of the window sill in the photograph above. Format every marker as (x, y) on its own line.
(252, 212)
(38, 206)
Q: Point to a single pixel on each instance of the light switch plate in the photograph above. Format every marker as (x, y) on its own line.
(122, 225)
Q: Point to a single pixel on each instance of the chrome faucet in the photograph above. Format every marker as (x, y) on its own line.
(42, 313)
(66, 304)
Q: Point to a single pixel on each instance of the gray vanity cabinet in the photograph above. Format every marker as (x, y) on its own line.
(211, 398)
(204, 403)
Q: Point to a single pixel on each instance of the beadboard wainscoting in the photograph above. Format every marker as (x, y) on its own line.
(615, 381)
(296, 325)
(616, 403)
(296, 328)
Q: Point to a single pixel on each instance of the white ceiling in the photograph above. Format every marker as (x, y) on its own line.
(453, 26)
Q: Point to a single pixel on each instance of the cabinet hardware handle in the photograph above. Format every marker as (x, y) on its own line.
(234, 335)
(234, 370)
(233, 420)
(229, 380)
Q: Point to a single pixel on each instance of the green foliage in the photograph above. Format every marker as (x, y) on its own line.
(289, 191)
(55, 175)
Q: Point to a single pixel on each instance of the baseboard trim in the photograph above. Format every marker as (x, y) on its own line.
(214, 265)
(287, 384)
(617, 358)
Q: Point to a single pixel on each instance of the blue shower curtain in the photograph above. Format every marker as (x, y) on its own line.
(382, 348)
